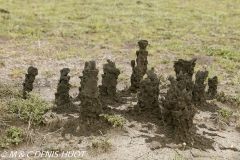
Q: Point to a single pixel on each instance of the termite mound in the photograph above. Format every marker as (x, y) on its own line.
(62, 97)
(89, 122)
(139, 69)
(29, 79)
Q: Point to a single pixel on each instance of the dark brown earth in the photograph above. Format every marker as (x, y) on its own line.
(212, 90)
(139, 70)
(62, 97)
(89, 121)
(29, 79)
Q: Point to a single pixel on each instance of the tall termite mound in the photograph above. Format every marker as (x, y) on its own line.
(62, 97)
(139, 70)
(148, 94)
(109, 80)
(91, 106)
(198, 88)
(90, 122)
(179, 105)
(178, 110)
(29, 79)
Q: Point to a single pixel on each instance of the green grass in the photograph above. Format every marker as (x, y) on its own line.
(115, 120)
(82, 29)
(31, 109)
(13, 135)
(74, 28)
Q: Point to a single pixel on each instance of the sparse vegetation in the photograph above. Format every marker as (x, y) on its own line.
(115, 120)
(13, 136)
(47, 74)
(102, 145)
(2, 64)
(30, 109)
(123, 77)
(234, 101)
(224, 112)
(17, 73)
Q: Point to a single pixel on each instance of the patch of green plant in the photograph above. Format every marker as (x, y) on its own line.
(8, 91)
(30, 109)
(123, 77)
(17, 72)
(224, 112)
(47, 74)
(13, 135)
(2, 64)
(224, 53)
(102, 144)
(222, 97)
(115, 120)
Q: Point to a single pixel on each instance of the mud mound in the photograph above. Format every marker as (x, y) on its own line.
(178, 112)
(212, 88)
(108, 89)
(109, 80)
(29, 79)
(199, 87)
(186, 67)
(139, 71)
(62, 97)
(199, 95)
(89, 121)
(148, 94)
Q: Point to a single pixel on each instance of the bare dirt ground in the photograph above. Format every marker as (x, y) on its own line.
(135, 140)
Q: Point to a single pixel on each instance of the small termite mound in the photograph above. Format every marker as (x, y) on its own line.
(89, 122)
(148, 94)
(186, 67)
(199, 87)
(29, 79)
(199, 94)
(212, 88)
(139, 70)
(109, 80)
(62, 97)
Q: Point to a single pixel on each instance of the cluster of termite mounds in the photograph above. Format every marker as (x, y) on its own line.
(183, 99)
(176, 109)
